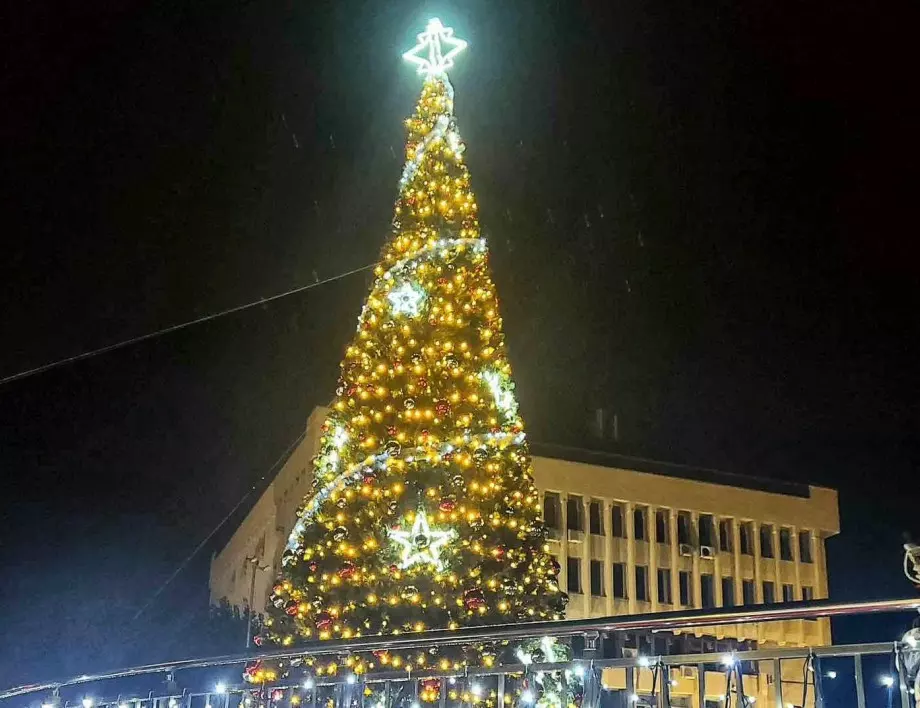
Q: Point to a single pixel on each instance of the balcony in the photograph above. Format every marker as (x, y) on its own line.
(772, 677)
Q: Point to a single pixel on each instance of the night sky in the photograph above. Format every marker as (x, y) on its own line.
(699, 219)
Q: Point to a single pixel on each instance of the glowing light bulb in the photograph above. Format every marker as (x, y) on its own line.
(87, 702)
(220, 689)
(887, 681)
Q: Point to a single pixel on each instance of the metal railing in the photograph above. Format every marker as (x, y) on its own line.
(666, 680)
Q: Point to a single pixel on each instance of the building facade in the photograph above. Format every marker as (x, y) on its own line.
(631, 536)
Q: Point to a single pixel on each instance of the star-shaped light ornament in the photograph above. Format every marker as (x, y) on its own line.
(407, 299)
(436, 49)
(421, 544)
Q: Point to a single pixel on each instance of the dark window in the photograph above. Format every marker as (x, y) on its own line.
(725, 535)
(684, 579)
(683, 527)
(805, 547)
(575, 511)
(808, 592)
(661, 526)
(664, 585)
(766, 541)
(747, 592)
(769, 593)
(642, 583)
(619, 580)
(747, 541)
(728, 592)
(551, 510)
(616, 521)
(788, 592)
(707, 590)
(574, 574)
(596, 525)
(707, 530)
(785, 544)
(597, 578)
(639, 524)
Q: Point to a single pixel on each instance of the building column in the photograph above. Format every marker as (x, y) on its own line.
(736, 557)
(675, 572)
(608, 554)
(797, 561)
(820, 563)
(630, 557)
(564, 541)
(586, 554)
(717, 563)
(777, 564)
(758, 575)
(653, 556)
(696, 593)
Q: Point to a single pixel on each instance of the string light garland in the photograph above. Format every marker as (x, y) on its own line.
(423, 513)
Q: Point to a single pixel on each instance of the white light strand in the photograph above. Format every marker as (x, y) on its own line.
(356, 471)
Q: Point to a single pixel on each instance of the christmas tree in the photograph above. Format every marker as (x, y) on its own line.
(423, 513)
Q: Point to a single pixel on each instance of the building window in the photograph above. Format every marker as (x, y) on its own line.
(728, 592)
(639, 524)
(808, 592)
(805, 547)
(619, 580)
(747, 539)
(725, 535)
(707, 590)
(769, 593)
(575, 513)
(597, 578)
(788, 592)
(551, 510)
(766, 541)
(785, 544)
(573, 566)
(664, 586)
(642, 583)
(747, 592)
(616, 521)
(661, 526)
(595, 518)
(684, 580)
(683, 527)
(707, 530)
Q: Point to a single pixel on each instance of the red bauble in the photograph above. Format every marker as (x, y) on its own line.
(442, 408)
(394, 568)
(473, 599)
(431, 684)
(447, 505)
(277, 694)
(423, 382)
(323, 620)
(313, 565)
(347, 570)
(257, 640)
(391, 431)
(500, 552)
(291, 609)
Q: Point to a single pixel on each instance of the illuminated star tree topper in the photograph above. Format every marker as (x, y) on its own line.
(434, 54)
